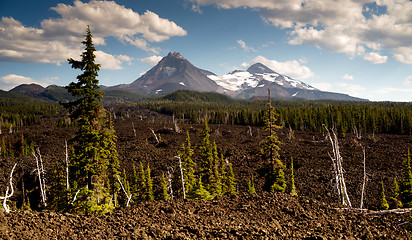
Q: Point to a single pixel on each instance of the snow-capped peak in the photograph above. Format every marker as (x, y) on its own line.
(241, 80)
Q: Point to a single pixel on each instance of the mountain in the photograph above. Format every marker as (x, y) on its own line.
(172, 73)
(29, 90)
(258, 78)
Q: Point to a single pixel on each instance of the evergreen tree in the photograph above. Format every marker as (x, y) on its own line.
(164, 194)
(188, 165)
(394, 199)
(406, 183)
(206, 156)
(199, 192)
(215, 179)
(383, 204)
(251, 185)
(230, 181)
(292, 189)
(149, 185)
(270, 150)
(94, 143)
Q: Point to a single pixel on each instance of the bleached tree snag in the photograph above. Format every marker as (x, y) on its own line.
(338, 169)
(134, 130)
(67, 166)
(181, 175)
(129, 197)
(169, 182)
(40, 172)
(364, 178)
(75, 197)
(250, 131)
(7, 195)
(154, 134)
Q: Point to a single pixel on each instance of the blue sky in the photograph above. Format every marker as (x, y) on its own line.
(361, 48)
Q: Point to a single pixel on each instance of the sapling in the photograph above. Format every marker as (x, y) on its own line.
(383, 204)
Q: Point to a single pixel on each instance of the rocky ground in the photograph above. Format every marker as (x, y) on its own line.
(312, 215)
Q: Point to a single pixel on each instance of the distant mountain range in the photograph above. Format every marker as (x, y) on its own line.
(175, 72)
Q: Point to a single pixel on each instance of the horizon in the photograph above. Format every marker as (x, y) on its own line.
(355, 51)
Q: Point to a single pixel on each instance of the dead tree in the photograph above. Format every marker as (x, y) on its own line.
(40, 172)
(364, 178)
(7, 195)
(129, 197)
(67, 167)
(169, 181)
(338, 171)
(182, 177)
(154, 134)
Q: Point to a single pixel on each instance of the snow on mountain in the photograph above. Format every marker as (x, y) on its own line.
(240, 80)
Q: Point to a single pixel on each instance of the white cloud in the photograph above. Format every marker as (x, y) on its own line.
(290, 68)
(12, 80)
(245, 47)
(408, 81)
(60, 38)
(152, 60)
(375, 58)
(351, 89)
(354, 27)
(347, 77)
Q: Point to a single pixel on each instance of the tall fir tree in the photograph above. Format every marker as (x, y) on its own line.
(270, 150)
(206, 156)
(94, 150)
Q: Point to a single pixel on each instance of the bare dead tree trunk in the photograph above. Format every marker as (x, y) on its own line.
(67, 166)
(129, 197)
(75, 197)
(154, 134)
(364, 178)
(7, 195)
(134, 130)
(169, 182)
(182, 177)
(338, 169)
(40, 171)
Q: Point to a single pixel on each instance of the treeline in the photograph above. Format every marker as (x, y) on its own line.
(17, 111)
(366, 117)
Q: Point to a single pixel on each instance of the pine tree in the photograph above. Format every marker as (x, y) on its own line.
(251, 185)
(383, 204)
(199, 192)
(270, 150)
(164, 194)
(406, 183)
(394, 199)
(94, 143)
(188, 165)
(149, 185)
(215, 179)
(292, 189)
(206, 156)
(139, 184)
(230, 181)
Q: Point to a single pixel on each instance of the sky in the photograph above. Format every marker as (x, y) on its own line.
(359, 47)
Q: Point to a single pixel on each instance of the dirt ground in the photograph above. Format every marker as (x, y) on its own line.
(311, 215)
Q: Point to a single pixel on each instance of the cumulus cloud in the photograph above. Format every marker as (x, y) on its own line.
(60, 38)
(10, 81)
(347, 77)
(375, 58)
(152, 60)
(245, 47)
(355, 27)
(290, 68)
